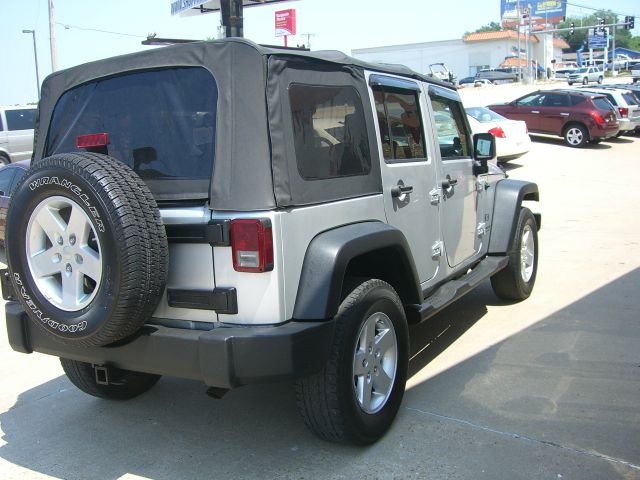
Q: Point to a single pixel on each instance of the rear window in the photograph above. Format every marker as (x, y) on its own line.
(22, 119)
(161, 123)
(484, 115)
(602, 103)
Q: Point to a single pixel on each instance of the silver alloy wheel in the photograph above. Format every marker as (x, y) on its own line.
(575, 136)
(527, 253)
(63, 253)
(375, 362)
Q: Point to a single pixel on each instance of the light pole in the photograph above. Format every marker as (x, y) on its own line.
(35, 54)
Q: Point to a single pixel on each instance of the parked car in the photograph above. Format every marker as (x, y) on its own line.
(335, 216)
(512, 136)
(585, 75)
(474, 82)
(635, 73)
(625, 102)
(16, 133)
(578, 117)
(9, 178)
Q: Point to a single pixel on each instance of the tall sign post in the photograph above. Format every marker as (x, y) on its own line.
(286, 23)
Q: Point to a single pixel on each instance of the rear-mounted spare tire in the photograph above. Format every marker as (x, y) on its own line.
(86, 248)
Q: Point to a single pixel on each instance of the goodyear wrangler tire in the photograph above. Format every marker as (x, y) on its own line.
(86, 248)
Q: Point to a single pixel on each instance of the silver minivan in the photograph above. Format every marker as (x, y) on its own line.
(16, 133)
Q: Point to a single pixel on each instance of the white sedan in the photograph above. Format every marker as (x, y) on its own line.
(512, 136)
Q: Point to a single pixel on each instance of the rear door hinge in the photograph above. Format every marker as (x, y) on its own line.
(434, 196)
(481, 229)
(436, 249)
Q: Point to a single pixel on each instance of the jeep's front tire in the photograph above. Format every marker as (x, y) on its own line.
(121, 385)
(357, 394)
(516, 280)
(86, 248)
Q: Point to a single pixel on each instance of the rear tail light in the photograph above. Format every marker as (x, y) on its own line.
(498, 132)
(624, 112)
(252, 245)
(597, 117)
(94, 140)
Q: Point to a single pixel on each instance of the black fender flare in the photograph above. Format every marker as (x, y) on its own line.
(327, 259)
(506, 208)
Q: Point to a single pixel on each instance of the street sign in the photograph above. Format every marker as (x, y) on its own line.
(286, 22)
(597, 41)
(187, 8)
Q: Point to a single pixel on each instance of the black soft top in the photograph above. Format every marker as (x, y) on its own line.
(243, 177)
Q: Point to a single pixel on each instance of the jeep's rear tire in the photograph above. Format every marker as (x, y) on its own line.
(516, 280)
(123, 384)
(86, 248)
(356, 396)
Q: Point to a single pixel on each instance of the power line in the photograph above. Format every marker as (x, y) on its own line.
(596, 9)
(67, 26)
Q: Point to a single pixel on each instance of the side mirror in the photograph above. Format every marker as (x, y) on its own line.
(484, 149)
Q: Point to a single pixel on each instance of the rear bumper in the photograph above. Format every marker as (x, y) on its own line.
(224, 357)
(600, 132)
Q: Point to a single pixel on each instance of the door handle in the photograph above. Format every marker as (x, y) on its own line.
(400, 190)
(535, 111)
(449, 182)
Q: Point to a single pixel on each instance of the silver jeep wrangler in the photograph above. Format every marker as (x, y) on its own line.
(237, 214)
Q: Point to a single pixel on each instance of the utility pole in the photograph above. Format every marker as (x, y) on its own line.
(613, 53)
(52, 37)
(530, 47)
(308, 35)
(519, 20)
(231, 15)
(35, 55)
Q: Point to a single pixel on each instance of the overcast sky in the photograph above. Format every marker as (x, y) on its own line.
(335, 24)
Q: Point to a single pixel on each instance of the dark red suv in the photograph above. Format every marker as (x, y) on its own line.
(578, 117)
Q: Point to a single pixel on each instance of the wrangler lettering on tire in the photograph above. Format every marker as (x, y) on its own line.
(88, 249)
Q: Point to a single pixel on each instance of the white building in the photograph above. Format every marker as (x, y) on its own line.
(466, 56)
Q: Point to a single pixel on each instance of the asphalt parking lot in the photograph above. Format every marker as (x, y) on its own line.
(544, 389)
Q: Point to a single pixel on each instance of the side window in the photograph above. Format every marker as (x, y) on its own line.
(6, 176)
(330, 134)
(450, 127)
(400, 123)
(532, 100)
(1, 126)
(576, 100)
(556, 100)
(21, 119)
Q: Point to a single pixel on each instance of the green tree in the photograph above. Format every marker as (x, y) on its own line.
(580, 36)
(489, 27)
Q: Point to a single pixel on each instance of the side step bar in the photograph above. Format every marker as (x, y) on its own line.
(454, 289)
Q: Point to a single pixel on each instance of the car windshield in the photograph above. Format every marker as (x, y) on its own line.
(581, 70)
(484, 115)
